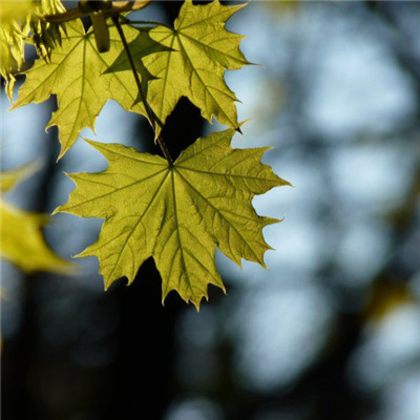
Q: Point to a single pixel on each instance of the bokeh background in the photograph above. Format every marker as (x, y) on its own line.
(331, 330)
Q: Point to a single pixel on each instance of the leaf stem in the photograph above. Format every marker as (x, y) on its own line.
(151, 116)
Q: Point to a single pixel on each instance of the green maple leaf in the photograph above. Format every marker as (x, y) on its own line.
(9, 179)
(23, 244)
(21, 239)
(74, 73)
(176, 213)
(198, 51)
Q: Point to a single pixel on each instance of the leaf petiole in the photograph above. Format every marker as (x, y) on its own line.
(151, 116)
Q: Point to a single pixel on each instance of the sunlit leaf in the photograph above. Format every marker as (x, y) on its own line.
(17, 21)
(15, 10)
(46, 35)
(23, 244)
(198, 51)
(13, 32)
(21, 239)
(176, 213)
(11, 53)
(74, 74)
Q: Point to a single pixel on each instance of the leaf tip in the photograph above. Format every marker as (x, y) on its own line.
(107, 281)
(240, 124)
(62, 152)
(197, 302)
(55, 211)
(238, 261)
(63, 149)
(14, 105)
(284, 183)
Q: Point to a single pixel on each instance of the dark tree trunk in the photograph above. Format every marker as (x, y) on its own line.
(144, 371)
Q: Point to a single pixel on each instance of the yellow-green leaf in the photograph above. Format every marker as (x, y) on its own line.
(17, 20)
(46, 35)
(11, 178)
(21, 239)
(15, 10)
(11, 54)
(176, 213)
(12, 40)
(22, 243)
(74, 74)
(198, 51)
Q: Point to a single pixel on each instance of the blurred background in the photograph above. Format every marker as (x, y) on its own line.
(331, 330)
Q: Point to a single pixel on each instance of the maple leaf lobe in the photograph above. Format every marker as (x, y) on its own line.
(75, 73)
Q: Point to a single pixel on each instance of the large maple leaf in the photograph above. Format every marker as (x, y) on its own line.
(197, 52)
(75, 74)
(176, 213)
